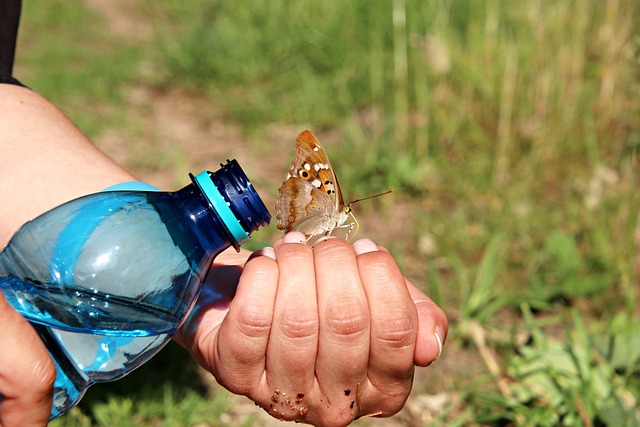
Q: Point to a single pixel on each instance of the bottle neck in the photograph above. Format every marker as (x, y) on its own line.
(220, 210)
(232, 201)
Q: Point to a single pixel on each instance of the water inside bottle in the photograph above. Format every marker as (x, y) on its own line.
(88, 311)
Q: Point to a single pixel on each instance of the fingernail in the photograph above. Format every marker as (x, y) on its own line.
(294, 237)
(269, 252)
(439, 333)
(363, 246)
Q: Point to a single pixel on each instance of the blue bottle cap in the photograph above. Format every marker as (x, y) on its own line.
(233, 198)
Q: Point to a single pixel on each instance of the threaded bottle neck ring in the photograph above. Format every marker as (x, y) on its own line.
(233, 199)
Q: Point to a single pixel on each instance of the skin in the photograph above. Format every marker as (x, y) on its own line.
(320, 335)
(298, 324)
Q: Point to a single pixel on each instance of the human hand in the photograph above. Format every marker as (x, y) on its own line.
(27, 372)
(321, 336)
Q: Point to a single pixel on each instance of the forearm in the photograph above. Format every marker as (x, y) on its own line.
(44, 160)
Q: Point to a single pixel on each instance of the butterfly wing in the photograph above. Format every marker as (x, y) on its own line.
(311, 163)
(310, 199)
(302, 207)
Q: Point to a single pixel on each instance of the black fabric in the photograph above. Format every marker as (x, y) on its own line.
(6, 78)
(9, 19)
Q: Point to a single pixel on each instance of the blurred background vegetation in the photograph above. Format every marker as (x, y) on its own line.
(509, 130)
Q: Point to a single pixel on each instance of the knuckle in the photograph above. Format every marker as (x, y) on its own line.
(380, 269)
(263, 267)
(253, 322)
(346, 319)
(253, 329)
(334, 249)
(295, 253)
(396, 331)
(296, 325)
(44, 375)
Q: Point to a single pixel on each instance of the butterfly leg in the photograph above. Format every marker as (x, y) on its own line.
(316, 231)
(355, 224)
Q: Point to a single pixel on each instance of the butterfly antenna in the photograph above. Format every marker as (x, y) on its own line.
(366, 198)
(349, 210)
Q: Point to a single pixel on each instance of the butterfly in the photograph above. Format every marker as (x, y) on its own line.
(310, 199)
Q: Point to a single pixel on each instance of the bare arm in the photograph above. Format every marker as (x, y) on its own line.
(44, 160)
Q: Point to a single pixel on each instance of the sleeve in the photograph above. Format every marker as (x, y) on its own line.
(9, 19)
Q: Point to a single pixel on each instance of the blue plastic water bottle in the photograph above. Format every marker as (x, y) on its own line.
(106, 279)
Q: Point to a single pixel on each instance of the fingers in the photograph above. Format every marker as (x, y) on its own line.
(394, 331)
(238, 351)
(266, 347)
(212, 305)
(433, 322)
(432, 332)
(343, 347)
(27, 372)
(324, 335)
(293, 344)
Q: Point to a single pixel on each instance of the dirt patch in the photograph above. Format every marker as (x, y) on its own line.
(120, 17)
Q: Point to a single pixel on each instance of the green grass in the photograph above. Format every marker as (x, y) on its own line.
(167, 391)
(509, 130)
(70, 58)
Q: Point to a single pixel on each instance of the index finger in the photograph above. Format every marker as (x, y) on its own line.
(26, 372)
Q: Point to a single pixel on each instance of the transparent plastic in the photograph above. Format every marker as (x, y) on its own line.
(106, 279)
